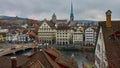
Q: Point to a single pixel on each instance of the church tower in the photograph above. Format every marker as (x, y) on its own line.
(71, 13)
(54, 18)
(71, 16)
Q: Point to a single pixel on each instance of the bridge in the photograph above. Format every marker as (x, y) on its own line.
(60, 47)
(13, 51)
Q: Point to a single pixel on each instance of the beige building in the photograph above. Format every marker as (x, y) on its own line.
(78, 36)
(46, 32)
(90, 36)
(60, 32)
(1, 38)
(63, 35)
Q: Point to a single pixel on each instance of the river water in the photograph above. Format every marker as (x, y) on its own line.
(80, 57)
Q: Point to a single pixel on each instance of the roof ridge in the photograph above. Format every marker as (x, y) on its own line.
(41, 64)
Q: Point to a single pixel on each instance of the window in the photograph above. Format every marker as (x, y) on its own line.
(98, 47)
(97, 60)
(100, 35)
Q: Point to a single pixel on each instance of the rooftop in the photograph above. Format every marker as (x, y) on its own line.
(47, 57)
(112, 43)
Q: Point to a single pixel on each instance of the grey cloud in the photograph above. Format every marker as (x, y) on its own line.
(40, 9)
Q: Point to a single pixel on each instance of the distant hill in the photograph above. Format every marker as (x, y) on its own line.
(85, 21)
(9, 17)
(5, 17)
(76, 21)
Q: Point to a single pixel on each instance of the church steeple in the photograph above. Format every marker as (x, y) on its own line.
(54, 18)
(71, 23)
(54, 15)
(71, 13)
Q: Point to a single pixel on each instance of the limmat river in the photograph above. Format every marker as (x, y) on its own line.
(80, 57)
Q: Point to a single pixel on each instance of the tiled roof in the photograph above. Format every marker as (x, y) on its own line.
(50, 23)
(49, 58)
(59, 58)
(5, 61)
(77, 29)
(34, 64)
(25, 31)
(95, 29)
(62, 21)
(46, 58)
(63, 27)
(112, 43)
(38, 57)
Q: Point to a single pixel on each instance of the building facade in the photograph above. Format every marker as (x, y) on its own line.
(90, 36)
(46, 32)
(78, 36)
(63, 35)
(100, 55)
(15, 37)
(108, 46)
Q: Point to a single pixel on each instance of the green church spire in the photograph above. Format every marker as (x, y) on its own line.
(54, 15)
(71, 13)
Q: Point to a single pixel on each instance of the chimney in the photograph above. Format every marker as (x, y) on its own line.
(13, 62)
(108, 18)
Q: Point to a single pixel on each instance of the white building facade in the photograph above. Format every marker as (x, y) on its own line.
(78, 36)
(90, 36)
(46, 33)
(17, 38)
(63, 36)
(59, 33)
(100, 53)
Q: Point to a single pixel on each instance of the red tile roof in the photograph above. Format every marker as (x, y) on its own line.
(50, 23)
(62, 21)
(5, 61)
(63, 27)
(112, 43)
(38, 57)
(59, 58)
(47, 57)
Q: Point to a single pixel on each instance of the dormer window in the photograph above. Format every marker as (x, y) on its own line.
(115, 35)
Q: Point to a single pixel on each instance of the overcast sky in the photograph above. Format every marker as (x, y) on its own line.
(40, 9)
